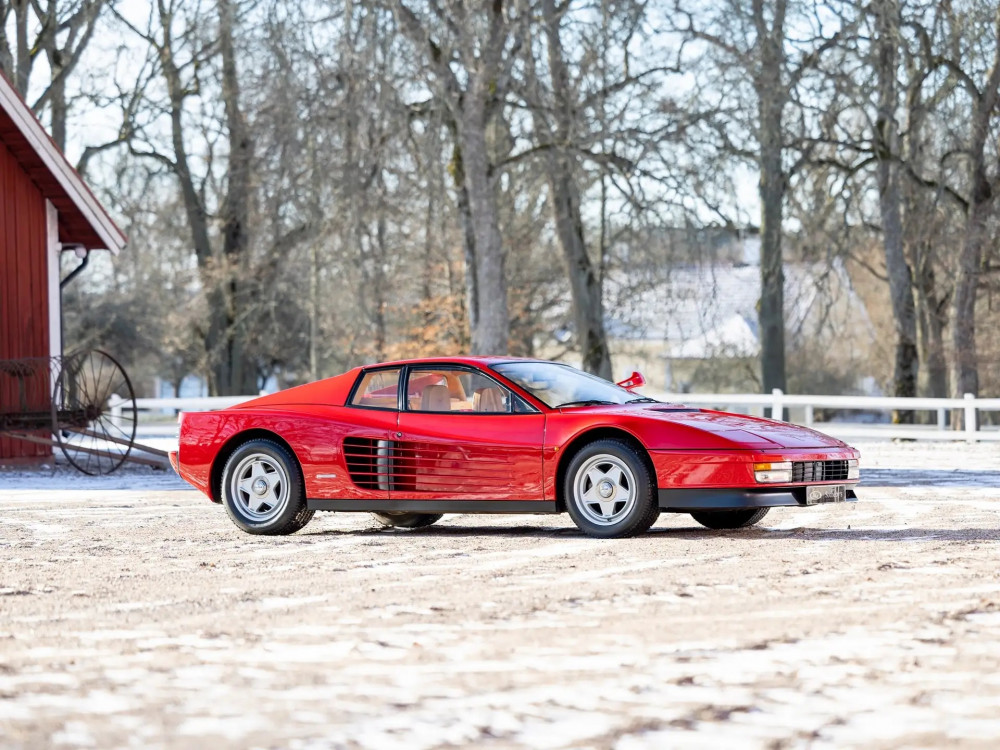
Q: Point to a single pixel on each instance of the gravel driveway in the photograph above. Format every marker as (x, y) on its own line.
(134, 614)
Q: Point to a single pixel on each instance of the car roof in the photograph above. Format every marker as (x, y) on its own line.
(482, 361)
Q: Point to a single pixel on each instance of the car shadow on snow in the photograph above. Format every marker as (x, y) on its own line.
(665, 532)
(448, 531)
(805, 533)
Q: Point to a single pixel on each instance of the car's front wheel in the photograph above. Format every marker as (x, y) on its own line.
(729, 519)
(406, 520)
(262, 489)
(609, 490)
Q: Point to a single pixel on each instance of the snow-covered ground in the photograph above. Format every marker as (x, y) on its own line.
(134, 614)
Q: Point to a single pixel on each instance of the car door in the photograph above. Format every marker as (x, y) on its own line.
(463, 436)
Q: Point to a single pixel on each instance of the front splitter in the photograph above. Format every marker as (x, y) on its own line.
(686, 500)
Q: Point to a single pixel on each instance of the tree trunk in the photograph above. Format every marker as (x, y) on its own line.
(771, 102)
(771, 316)
(314, 311)
(929, 301)
(491, 330)
(194, 210)
(457, 168)
(235, 220)
(965, 375)
(22, 51)
(890, 201)
(381, 285)
(932, 324)
(586, 286)
(6, 54)
(58, 107)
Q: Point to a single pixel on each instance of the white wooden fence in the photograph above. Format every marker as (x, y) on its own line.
(802, 410)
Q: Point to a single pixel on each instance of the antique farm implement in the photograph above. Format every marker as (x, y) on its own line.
(82, 402)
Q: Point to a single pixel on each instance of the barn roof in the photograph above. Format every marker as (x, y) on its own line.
(82, 219)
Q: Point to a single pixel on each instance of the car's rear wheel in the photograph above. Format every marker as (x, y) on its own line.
(262, 489)
(729, 519)
(609, 491)
(406, 520)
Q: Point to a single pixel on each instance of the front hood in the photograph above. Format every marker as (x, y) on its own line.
(781, 434)
(737, 429)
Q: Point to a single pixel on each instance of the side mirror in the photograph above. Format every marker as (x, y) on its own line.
(633, 381)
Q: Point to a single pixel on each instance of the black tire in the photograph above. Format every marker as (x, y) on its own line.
(404, 520)
(617, 468)
(265, 461)
(729, 519)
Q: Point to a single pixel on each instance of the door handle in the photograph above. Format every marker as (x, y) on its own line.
(399, 434)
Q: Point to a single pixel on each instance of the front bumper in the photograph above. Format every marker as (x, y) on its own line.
(735, 468)
(686, 500)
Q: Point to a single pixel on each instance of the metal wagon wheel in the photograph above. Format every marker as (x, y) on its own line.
(95, 435)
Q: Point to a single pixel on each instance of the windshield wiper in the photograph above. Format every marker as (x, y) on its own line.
(586, 402)
(642, 400)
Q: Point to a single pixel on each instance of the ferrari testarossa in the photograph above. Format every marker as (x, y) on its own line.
(410, 441)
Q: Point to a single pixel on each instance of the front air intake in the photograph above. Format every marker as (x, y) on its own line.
(819, 471)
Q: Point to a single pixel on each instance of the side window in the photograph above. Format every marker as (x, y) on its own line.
(523, 407)
(378, 390)
(444, 390)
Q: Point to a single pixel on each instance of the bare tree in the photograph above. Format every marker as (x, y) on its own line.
(16, 60)
(983, 184)
(180, 59)
(479, 39)
(66, 31)
(885, 55)
(62, 31)
(555, 127)
(751, 44)
(234, 370)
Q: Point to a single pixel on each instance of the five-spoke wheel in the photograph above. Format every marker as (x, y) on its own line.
(262, 489)
(259, 486)
(606, 489)
(609, 491)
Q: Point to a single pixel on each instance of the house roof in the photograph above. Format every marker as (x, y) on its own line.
(82, 219)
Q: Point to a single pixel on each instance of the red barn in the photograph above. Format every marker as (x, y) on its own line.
(45, 208)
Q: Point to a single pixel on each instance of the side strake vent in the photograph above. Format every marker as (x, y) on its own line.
(819, 471)
(366, 460)
(407, 467)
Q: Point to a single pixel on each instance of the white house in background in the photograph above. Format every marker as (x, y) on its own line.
(693, 327)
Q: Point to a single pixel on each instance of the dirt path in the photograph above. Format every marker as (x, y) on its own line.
(146, 619)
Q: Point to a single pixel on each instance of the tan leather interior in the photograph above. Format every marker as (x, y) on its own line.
(435, 398)
(488, 400)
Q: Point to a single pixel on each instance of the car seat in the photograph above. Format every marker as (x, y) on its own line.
(435, 398)
(488, 399)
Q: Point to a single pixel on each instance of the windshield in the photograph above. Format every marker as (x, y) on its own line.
(558, 385)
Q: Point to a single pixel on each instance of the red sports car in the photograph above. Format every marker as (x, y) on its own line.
(409, 441)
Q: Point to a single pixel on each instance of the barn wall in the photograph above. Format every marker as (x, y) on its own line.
(24, 286)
